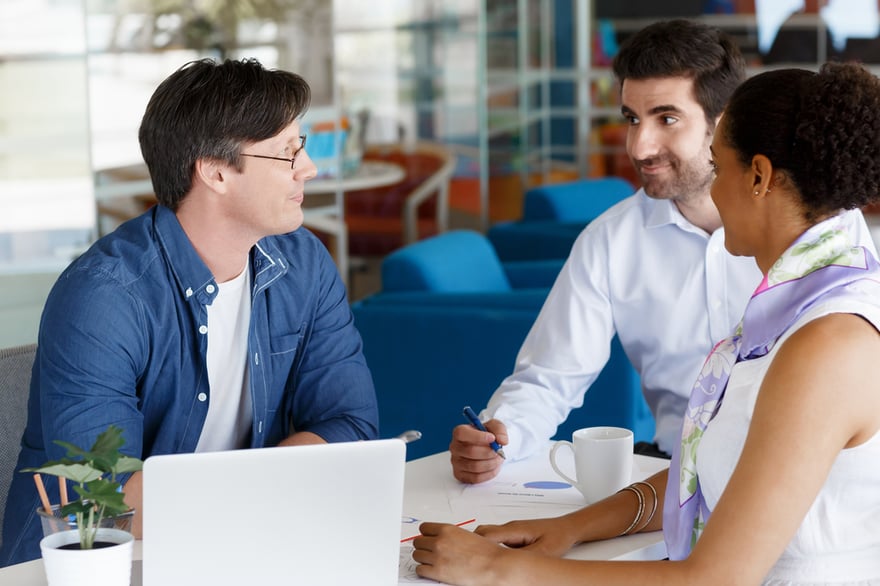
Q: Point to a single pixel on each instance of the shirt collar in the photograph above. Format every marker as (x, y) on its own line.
(194, 278)
(192, 275)
(268, 262)
(664, 212)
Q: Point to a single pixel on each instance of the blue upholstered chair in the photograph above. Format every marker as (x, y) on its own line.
(554, 215)
(462, 261)
(446, 328)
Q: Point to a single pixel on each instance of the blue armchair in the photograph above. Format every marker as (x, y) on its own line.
(462, 261)
(554, 215)
(446, 330)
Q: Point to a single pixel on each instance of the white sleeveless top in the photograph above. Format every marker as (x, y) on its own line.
(838, 541)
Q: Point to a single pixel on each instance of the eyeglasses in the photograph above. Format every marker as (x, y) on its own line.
(291, 160)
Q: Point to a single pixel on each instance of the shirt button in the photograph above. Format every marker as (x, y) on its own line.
(189, 292)
(203, 397)
(209, 288)
(203, 329)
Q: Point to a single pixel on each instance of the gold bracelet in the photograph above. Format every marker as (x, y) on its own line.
(641, 510)
(654, 508)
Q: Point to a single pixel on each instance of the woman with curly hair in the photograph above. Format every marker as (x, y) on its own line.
(777, 474)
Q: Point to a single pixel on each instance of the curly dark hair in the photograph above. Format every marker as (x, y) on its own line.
(683, 48)
(822, 129)
(207, 110)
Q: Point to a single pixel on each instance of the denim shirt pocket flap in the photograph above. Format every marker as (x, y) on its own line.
(284, 343)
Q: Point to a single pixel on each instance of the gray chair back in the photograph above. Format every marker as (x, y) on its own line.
(15, 380)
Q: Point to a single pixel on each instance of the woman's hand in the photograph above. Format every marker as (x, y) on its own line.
(453, 555)
(551, 537)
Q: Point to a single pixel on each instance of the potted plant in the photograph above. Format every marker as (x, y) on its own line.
(94, 475)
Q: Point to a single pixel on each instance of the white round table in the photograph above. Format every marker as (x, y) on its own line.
(369, 174)
(331, 218)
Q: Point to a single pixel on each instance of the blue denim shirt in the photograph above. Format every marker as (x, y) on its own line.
(123, 340)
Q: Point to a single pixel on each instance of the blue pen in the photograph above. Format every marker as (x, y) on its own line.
(472, 417)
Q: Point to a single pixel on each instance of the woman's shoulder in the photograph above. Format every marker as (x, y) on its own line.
(843, 313)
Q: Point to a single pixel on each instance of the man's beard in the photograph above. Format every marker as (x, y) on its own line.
(684, 182)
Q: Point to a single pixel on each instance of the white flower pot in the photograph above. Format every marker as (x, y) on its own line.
(105, 566)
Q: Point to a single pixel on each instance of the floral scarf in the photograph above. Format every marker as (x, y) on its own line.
(819, 265)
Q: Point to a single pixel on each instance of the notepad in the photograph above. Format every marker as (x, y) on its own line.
(314, 515)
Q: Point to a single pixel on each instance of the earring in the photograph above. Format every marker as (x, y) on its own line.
(756, 192)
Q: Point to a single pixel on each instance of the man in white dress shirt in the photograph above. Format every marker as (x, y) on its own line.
(652, 269)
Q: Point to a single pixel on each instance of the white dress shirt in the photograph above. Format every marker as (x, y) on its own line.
(669, 291)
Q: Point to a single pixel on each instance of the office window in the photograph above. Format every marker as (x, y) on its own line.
(46, 189)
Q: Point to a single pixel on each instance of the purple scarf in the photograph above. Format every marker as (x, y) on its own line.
(819, 265)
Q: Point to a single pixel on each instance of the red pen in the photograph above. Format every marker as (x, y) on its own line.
(469, 521)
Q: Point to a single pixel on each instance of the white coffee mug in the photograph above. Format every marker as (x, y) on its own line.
(603, 460)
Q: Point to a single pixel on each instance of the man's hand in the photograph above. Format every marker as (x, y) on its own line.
(134, 498)
(473, 460)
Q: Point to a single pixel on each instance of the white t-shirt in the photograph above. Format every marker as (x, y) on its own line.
(230, 411)
(668, 289)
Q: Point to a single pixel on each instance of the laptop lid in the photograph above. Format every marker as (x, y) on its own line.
(318, 514)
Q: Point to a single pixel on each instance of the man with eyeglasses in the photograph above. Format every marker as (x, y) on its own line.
(210, 322)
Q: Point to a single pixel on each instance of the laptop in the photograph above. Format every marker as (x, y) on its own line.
(312, 515)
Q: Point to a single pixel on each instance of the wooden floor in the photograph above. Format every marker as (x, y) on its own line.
(364, 277)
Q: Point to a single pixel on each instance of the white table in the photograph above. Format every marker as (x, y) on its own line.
(331, 218)
(432, 494)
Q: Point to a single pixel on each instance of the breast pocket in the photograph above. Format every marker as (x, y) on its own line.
(283, 352)
(284, 344)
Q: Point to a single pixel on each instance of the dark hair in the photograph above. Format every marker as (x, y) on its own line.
(682, 48)
(207, 110)
(822, 129)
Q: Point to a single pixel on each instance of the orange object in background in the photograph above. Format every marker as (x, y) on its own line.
(505, 196)
(375, 217)
(608, 158)
(330, 126)
(506, 192)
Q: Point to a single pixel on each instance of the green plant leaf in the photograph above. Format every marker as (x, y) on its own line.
(75, 471)
(104, 493)
(104, 452)
(94, 475)
(74, 507)
(107, 445)
(128, 464)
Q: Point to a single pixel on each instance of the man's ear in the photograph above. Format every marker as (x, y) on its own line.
(212, 173)
(762, 176)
